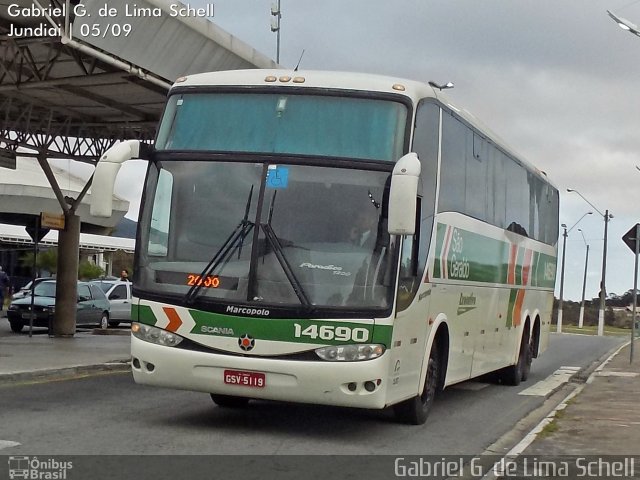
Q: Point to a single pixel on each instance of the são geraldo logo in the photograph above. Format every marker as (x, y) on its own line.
(32, 468)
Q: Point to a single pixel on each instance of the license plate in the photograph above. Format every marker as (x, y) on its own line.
(245, 379)
(26, 316)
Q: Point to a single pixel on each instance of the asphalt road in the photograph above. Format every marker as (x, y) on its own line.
(110, 414)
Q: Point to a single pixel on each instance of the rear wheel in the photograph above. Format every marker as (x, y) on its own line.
(16, 326)
(514, 374)
(104, 321)
(416, 410)
(229, 401)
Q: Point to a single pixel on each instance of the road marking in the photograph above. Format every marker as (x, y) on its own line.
(551, 383)
(617, 374)
(8, 444)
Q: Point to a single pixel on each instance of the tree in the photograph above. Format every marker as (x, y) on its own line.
(88, 270)
(46, 260)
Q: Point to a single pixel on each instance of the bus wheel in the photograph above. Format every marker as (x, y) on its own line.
(528, 358)
(229, 401)
(416, 410)
(514, 374)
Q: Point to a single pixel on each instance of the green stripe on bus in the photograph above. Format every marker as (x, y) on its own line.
(143, 314)
(513, 295)
(276, 329)
(477, 258)
(285, 330)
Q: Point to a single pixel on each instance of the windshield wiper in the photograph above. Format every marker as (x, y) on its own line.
(273, 240)
(234, 241)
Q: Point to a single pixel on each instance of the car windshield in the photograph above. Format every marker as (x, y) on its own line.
(45, 289)
(312, 236)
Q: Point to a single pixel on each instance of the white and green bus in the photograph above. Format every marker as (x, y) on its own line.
(333, 238)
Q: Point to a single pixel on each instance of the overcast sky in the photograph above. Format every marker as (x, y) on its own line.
(558, 80)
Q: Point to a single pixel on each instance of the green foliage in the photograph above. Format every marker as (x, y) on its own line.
(88, 270)
(571, 313)
(46, 260)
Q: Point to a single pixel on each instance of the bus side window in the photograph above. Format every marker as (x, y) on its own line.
(408, 282)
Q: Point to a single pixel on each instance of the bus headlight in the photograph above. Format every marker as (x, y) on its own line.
(350, 353)
(155, 335)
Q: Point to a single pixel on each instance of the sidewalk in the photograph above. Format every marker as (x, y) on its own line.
(603, 418)
(24, 359)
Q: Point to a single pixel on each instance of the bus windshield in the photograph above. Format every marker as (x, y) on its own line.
(267, 234)
(320, 125)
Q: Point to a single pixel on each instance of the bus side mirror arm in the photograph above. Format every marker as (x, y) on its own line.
(403, 195)
(107, 169)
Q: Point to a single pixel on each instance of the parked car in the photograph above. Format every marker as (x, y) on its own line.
(118, 293)
(26, 290)
(93, 306)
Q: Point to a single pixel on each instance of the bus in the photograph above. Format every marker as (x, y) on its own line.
(333, 238)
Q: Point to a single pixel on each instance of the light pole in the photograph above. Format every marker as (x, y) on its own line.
(584, 281)
(275, 26)
(625, 24)
(603, 292)
(564, 251)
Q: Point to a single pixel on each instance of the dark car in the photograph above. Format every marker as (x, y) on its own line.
(93, 306)
(26, 290)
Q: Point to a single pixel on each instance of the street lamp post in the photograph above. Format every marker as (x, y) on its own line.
(564, 250)
(584, 281)
(603, 293)
(275, 26)
(565, 234)
(625, 24)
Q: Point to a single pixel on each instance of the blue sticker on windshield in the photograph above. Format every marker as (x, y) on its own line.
(277, 176)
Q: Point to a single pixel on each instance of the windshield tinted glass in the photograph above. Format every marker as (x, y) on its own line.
(318, 238)
(278, 123)
(45, 289)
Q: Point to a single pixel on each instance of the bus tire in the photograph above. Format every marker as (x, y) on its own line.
(514, 374)
(526, 369)
(416, 410)
(229, 401)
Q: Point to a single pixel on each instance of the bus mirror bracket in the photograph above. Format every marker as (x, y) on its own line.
(104, 176)
(403, 195)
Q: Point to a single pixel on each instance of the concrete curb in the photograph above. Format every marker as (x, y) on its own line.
(65, 373)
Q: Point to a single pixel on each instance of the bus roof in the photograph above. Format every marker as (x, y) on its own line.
(365, 82)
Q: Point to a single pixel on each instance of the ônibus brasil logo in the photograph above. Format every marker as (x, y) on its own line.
(34, 468)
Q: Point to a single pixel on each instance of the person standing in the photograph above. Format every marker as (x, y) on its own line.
(124, 275)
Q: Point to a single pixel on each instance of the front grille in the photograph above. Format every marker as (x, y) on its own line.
(308, 356)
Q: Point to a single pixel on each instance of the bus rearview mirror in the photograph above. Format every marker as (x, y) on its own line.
(403, 195)
(104, 177)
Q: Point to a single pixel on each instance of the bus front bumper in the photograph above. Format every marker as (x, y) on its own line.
(350, 384)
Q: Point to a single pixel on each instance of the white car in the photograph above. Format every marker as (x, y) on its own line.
(119, 294)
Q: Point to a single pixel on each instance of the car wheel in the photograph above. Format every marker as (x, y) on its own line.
(229, 401)
(16, 326)
(104, 321)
